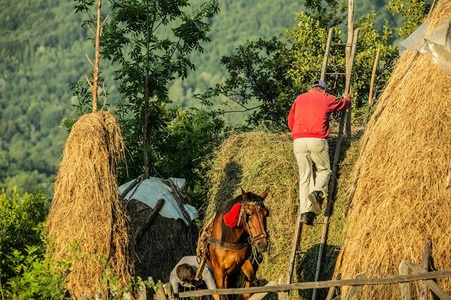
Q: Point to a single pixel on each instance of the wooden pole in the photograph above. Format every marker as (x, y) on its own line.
(448, 175)
(349, 55)
(294, 246)
(373, 76)
(435, 288)
(333, 177)
(336, 275)
(320, 285)
(95, 83)
(405, 287)
(326, 54)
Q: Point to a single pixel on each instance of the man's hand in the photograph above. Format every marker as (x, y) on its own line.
(346, 95)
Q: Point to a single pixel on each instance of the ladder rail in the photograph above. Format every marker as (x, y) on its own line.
(333, 179)
(298, 228)
(326, 53)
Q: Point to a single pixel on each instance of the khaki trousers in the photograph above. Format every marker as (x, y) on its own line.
(309, 152)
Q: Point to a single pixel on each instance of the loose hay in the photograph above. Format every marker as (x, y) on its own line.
(87, 218)
(255, 161)
(400, 198)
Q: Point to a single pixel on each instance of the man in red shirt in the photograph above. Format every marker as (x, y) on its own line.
(308, 121)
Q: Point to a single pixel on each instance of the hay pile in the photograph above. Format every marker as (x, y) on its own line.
(162, 243)
(87, 222)
(401, 198)
(258, 160)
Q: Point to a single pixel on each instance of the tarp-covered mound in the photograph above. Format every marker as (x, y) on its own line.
(401, 197)
(163, 232)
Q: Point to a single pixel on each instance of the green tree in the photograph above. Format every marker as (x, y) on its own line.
(270, 73)
(21, 223)
(412, 12)
(149, 42)
(258, 84)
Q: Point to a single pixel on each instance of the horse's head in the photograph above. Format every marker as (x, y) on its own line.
(253, 219)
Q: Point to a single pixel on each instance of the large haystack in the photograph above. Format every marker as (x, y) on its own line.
(255, 161)
(401, 198)
(87, 222)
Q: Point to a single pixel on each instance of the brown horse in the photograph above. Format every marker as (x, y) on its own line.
(238, 226)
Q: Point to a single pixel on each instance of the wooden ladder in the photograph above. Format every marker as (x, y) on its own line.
(333, 177)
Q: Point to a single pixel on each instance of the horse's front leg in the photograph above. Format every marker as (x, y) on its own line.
(221, 281)
(248, 270)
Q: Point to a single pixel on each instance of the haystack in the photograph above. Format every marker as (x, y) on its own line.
(87, 222)
(162, 244)
(401, 199)
(256, 161)
(163, 226)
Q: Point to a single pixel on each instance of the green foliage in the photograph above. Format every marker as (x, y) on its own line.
(43, 49)
(193, 134)
(149, 42)
(37, 277)
(37, 62)
(21, 224)
(150, 56)
(309, 38)
(269, 74)
(257, 83)
(412, 11)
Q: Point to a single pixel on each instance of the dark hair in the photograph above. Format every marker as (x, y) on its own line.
(186, 273)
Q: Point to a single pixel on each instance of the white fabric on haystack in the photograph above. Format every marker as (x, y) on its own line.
(436, 45)
(150, 190)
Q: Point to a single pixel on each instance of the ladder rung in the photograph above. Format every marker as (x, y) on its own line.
(335, 73)
(342, 44)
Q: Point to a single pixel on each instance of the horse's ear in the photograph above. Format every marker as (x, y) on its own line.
(265, 193)
(244, 194)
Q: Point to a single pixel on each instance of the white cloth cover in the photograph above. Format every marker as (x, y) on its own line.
(150, 190)
(436, 44)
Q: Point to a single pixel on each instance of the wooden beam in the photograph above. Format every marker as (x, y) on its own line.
(435, 288)
(294, 246)
(321, 284)
(405, 287)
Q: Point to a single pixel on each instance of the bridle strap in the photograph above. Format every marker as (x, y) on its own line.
(263, 235)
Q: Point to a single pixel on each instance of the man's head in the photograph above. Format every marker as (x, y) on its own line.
(186, 273)
(319, 84)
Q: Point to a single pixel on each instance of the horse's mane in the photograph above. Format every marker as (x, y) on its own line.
(227, 205)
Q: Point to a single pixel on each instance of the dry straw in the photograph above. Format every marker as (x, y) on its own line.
(87, 222)
(255, 161)
(400, 197)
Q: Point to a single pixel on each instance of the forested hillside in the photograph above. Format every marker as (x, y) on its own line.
(43, 50)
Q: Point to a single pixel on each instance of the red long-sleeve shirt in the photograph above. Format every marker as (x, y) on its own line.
(309, 114)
